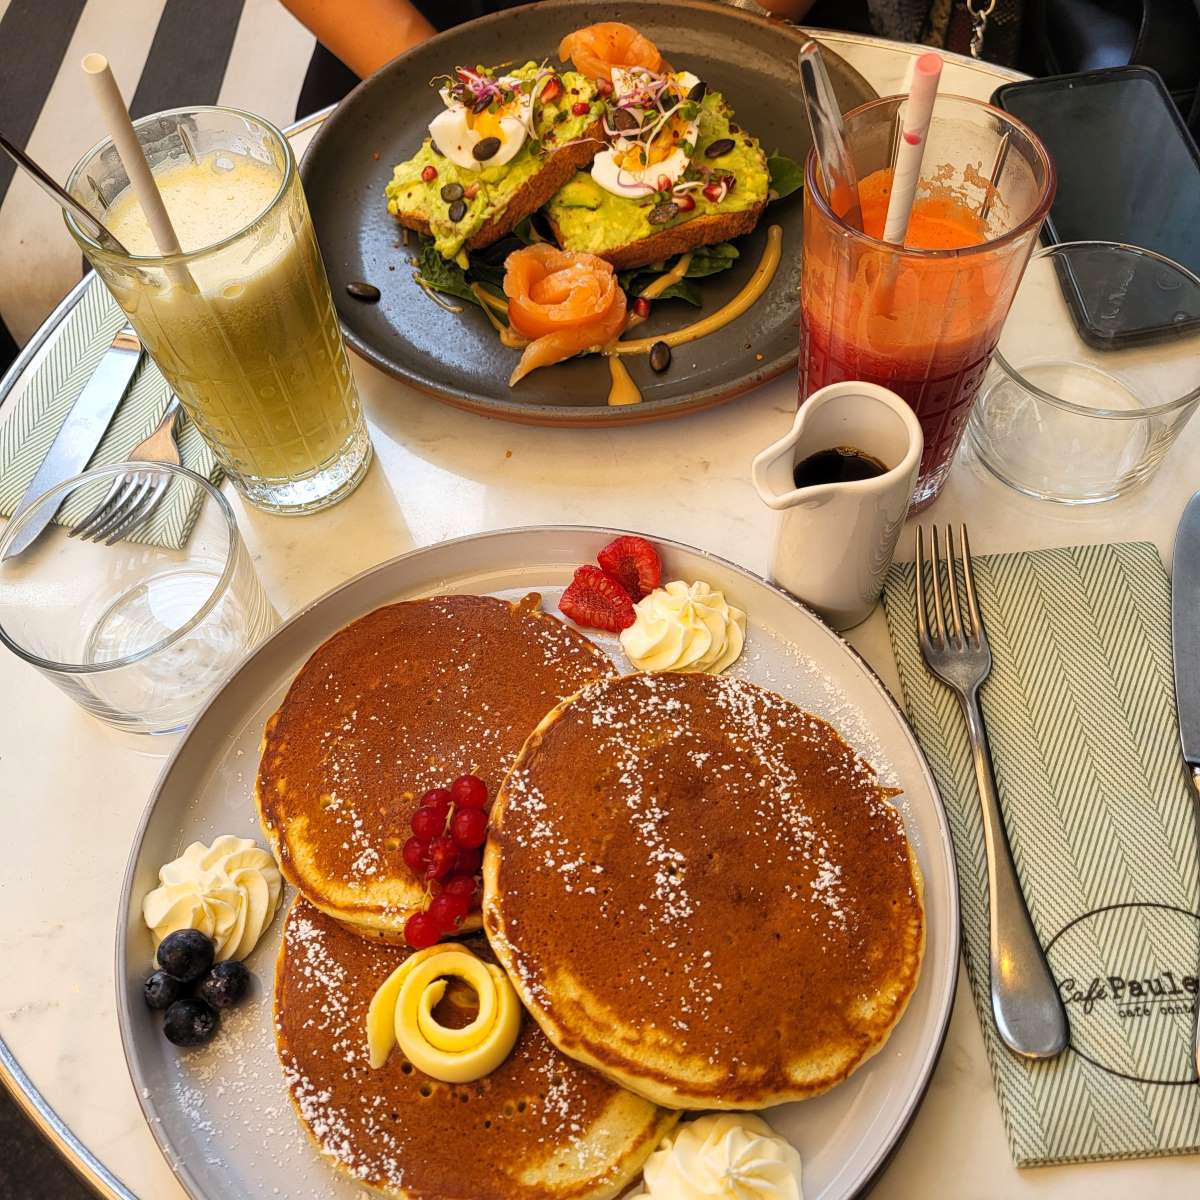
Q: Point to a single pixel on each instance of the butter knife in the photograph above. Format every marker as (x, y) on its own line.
(1185, 640)
(80, 434)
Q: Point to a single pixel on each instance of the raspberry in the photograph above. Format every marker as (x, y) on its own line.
(597, 601)
(449, 911)
(421, 930)
(429, 173)
(634, 564)
(469, 791)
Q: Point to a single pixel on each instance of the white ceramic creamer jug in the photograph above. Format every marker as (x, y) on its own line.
(835, 541)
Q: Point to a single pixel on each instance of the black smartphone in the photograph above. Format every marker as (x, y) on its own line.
(1128, 171)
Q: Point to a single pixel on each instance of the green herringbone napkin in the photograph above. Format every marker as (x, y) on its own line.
(1080, 710)
(37, 413)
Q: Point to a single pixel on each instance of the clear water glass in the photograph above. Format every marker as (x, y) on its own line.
(138, 635)
(1096, 372)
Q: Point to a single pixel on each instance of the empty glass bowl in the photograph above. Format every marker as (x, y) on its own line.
(1097, 371)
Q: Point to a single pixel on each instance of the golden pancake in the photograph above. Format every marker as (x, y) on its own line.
(402, 700)
(540, 1127)
(702, 890)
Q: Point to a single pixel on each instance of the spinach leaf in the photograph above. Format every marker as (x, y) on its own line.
(706, 260)
(442, 275)
(787, 175)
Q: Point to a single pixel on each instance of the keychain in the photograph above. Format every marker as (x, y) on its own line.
(979, 11)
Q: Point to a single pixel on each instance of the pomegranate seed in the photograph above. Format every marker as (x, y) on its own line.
(712, 191)
(469, 862)
(469, 791)
(469, 827)
(641, 307)
(421, 930)
(443, 855)
(429, 174)
(439, 798)
(449, 911)
(604, 87)
(552, 90)
(428, 822)
(460, 885)
(416, 854)
(685, 202)
(580, 108)
(471, 192)
(664, 183)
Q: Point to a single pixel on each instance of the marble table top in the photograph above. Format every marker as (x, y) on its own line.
(73, 790)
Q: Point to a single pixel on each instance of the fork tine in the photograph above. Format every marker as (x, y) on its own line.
(939, 610)
(140, 513)
(960, 630)
(969, 581)
(919, 587)
(141, 485)
(96, 514)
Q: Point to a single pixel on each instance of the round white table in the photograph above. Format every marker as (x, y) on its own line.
(73, 790)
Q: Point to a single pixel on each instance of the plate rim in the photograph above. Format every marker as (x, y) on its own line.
(895, 1136)
(556, 415)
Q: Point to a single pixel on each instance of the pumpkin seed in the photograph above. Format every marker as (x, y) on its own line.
(698, 91)
(367, 292)
(623, 120)
(458, 210)
(452, 192)
(660, 357)
(660, 214)
(486, 148)
(719, 147)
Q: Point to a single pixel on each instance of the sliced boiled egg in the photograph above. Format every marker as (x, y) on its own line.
(458, 130)
(634, 169)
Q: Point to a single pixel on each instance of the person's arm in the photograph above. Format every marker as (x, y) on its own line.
(364, 34)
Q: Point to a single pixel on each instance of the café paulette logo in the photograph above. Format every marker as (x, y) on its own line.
(1132, 1015)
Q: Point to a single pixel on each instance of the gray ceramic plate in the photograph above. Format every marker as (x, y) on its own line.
(221, 1114)
(458, 358)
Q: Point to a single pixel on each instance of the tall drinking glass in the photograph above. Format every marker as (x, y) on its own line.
(242, 323)
(923, 321)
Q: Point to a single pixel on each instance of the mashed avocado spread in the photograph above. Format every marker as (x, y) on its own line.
(555, 125)
(590, 219)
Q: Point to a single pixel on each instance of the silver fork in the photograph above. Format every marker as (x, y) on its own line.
(1026, 1004)
(134, 495)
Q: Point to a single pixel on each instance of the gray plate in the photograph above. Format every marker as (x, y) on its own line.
(458, 358)
(221, 1114)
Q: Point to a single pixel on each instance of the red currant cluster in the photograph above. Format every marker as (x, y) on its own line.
(446, 850)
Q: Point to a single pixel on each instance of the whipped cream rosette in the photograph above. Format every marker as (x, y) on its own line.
(684, 627)
(723, 1156)
(229, 891)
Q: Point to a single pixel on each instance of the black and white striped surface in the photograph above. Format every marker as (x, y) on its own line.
(246, 53)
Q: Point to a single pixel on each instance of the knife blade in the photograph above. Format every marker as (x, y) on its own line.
(80, 434)
(1185, 643)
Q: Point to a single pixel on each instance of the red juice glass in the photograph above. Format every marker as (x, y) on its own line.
(922, 319)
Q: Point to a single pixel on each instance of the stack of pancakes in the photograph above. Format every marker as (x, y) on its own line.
(702, 895)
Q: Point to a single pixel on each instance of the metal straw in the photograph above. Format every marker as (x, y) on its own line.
(829, 133)
(64, 198)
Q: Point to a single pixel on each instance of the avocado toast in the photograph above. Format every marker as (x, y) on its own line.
(678, 174)
(503, 145)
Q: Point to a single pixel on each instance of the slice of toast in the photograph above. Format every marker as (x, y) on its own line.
(559, 167)
(704, 230)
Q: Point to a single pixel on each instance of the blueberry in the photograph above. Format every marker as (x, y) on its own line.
(162, 990)
(190, 1022)
(186, 954)
(225, 985)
